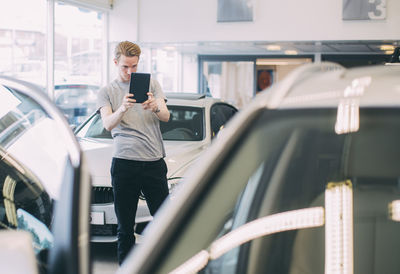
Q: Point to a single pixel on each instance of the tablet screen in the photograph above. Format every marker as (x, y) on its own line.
(139, 86)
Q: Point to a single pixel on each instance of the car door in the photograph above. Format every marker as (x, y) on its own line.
(44, 181)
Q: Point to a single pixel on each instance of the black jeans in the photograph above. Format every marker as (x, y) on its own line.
(128, 179)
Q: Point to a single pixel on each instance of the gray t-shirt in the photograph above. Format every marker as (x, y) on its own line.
(137, 136)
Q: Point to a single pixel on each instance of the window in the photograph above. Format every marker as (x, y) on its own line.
(78, 45)
(176, 72)
(23, 40)
(77, 60)
(217, 80)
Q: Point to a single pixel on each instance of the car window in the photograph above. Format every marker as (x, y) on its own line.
(292, 189)
(185, 124)
(34, 162)
(220, 115)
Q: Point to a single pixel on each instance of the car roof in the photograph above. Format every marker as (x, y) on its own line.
(327, 84)
(191, 99)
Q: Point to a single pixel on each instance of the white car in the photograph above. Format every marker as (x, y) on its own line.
(195, 120)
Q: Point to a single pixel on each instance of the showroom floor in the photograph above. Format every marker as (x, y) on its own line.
(104, 258)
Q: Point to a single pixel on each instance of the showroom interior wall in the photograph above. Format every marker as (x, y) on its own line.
(179, 20)
(173, 22)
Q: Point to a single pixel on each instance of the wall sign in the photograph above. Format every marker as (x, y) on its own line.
(364, 9)
(235, 10)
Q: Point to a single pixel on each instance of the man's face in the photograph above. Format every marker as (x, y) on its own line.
(126, 65)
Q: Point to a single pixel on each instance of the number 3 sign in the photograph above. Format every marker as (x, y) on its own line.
(364, 9)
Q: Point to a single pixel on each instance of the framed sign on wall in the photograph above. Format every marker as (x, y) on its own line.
(235, 10)
(364, 10)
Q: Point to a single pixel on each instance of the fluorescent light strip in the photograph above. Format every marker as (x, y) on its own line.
(394, 210)
(285, 221)
(273, 47)
(339, 228)
(348, 117)
(291, 52)
(193, 265)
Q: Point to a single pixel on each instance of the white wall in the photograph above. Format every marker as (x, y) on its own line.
(123, 21)
(282, 20)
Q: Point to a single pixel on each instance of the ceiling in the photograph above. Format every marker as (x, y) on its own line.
(266, 48)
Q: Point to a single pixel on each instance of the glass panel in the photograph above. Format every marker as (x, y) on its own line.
(77, 60)
(23, 40)
(218, 81)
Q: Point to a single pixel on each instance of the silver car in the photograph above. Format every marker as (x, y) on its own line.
(306, 179)
(195, 121)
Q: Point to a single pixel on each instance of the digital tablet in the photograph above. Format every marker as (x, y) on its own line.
(139, 86)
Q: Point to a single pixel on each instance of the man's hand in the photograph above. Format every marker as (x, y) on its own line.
(151, 103)
(127, 103)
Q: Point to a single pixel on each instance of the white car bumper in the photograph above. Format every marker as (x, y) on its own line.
(104, 221)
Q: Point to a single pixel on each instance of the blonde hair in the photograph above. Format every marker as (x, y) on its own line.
(127, 49)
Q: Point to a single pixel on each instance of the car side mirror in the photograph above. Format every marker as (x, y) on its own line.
(16, 253)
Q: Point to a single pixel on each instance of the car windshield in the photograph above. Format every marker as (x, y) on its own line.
(300, 198)
(185, 124)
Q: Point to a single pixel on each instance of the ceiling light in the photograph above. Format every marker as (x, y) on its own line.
(291, 52)
(169, 48)
(282, 61)
(272, 63)
(386, 47)
(273, 47)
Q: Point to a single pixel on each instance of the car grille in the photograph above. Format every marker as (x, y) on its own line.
(102, 195)
(104, 230)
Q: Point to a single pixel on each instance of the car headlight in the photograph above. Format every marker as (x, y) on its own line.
(173, 182)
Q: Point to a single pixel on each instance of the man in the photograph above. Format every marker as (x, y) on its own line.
(137, 163)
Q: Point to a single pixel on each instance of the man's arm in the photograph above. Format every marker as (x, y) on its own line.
(163, 113)
(112, 119)
(158, 106)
